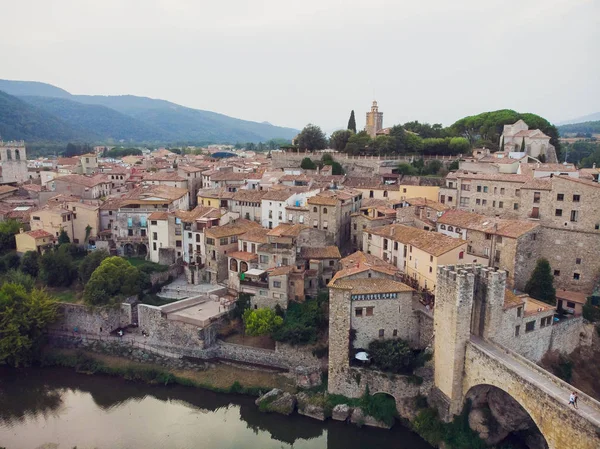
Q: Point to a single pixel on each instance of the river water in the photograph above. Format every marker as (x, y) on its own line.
(56, 408)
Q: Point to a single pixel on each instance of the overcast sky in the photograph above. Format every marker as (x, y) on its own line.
(294, 62)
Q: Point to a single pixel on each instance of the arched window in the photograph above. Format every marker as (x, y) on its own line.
(243, 267)
(385, 193)
(442, 226)
(461, 255)
(17, 155)
(314, 209)
(233, 265)
(450, 228)
(457, 230)
(324, 210)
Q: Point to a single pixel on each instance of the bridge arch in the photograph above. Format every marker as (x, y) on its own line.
(543, 397)
(508, 416)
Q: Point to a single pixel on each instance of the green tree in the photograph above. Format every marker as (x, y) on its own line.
(18, 277)
(540, 284)
(359, 143)
(453, 165)
(89, 264)
(311, 138)
(433, 167)
(63, 237)
(261, 321)
(113, 280)
(57, 268)
(398, 139)
(11, 261)
(30, 263)
(406, 169)
(392, 355)
(459, 145)
(336, 168)
(339, 139)
(352, 122)
(308, 164)
(414, 143)
(8, 229)
(23, 318)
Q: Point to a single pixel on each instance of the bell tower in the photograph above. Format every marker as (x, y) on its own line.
(374, 120)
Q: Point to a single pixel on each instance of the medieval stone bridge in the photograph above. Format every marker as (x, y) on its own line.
(542, 395)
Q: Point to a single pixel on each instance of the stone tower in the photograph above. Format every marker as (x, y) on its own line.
(468, 300)
(13, 160)
(374, 121)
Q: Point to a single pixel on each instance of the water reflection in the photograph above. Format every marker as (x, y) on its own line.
(124, 414)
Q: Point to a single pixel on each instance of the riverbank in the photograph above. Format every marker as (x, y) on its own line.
(215, 377)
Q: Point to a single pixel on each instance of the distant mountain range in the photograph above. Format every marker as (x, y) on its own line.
(38, 112)
(586, 118)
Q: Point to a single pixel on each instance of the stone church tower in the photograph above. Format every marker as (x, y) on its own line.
(374, 121)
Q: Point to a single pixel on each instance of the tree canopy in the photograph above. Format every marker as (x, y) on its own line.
(89, 264)
(23, 318)
(308, 164)
(392, 355)
(8, 229)
(311, 138)
(114, 279)
(540, 284)
(63, 237)
(57, 268)
(30, 263)
(261, 321)
(339, 139)
(352, 122)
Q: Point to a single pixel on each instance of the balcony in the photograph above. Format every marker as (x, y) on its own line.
(251, 283)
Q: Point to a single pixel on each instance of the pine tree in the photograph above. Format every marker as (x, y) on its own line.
(352, 122)
(539, 286)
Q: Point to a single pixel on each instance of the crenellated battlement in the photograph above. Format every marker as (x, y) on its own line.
(483, 274)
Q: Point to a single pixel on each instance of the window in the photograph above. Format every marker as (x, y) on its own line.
(478, 202)
(315, 224)
(485, 189)
(574, 215)
(515, 206)
(354, 226)
(519, 311)
(484, 202)
(570, 305)
(154, 246)
(530, 326)
(450, 228)
(370, 311)
(488, 236)
(479, 188)
(558, 213)
(210, 241)
(517, 330)
(358, 311)
(381, 333)
(464, 201)
(578, 261)
(501, 190)
(536, 197)
(325, 224)
(576, 198)
(314, 209)
(277, 284)
(130, 232)
(385, 193)
(234, 239)
(461, 255)
(331, 263)
(178, 243)
(264, 259)
(576, 276)
(465, 187)
(547, 321)
(556, 272)
(396, 246)
(498, 239)
(560, 197)
(442, 227)
(533, 236)
(370, 194)
(494, 203)
(223, 240)
(501, 204)
(369, 236)
(395, 333)
(430, 270)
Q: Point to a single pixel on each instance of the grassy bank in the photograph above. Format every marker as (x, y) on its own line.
(220, 379)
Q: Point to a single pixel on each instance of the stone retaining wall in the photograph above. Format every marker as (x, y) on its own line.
(567, 335)
(174, 271)
(97, 320)
(284, 356)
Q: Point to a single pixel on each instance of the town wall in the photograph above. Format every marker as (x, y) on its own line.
(160, 277)
(97, 320)
(568, 335)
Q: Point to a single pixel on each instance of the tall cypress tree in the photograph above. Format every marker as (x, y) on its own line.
(352, 122)
(539, 285)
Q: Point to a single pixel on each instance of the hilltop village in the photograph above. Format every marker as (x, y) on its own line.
(446, 264)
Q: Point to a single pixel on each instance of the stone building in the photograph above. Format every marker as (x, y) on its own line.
(510, 245)
(247, 203)
(415, 252)
(86, 187)
(519, 138)
(330, 211)
(374, 122)
(39, 241)
(53, 220)
(567, 209)
(420, 213)
(13, 162)
(193, 175)
(220, 241)
(372, 214)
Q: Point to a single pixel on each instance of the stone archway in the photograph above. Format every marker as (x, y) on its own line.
(496, 416)
(141, 250)
(128, 250)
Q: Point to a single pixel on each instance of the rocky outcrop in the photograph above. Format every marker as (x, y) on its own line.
(359, 418)
(277, 401)
(341, 412)
(311, 406)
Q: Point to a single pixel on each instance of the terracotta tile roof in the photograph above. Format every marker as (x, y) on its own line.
(324, 252)
(189, 168)
(538, 184)
(158, 216)
(287, 230)
(280, 271)
(585, 181)
(424, 202)
(506, 177)
(229, 176)
(580, 298)
(487, 224)
(237, 227)
(290, 178)
(249, 195)
(218, 193)
(512, 300)
(67, 161)
(323, 200)
(39, 233)
(10, 189)
(431, 242)
(86, 181)
(360, 262)
(258, 235)
(163, 176)
(277, 195)
(367, 286)
(243, 255)
(29, 188)
(146, 193)
(198, 212)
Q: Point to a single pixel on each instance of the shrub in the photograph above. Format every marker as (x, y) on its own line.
(303, 322)
(392, 355)
(261, 321)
